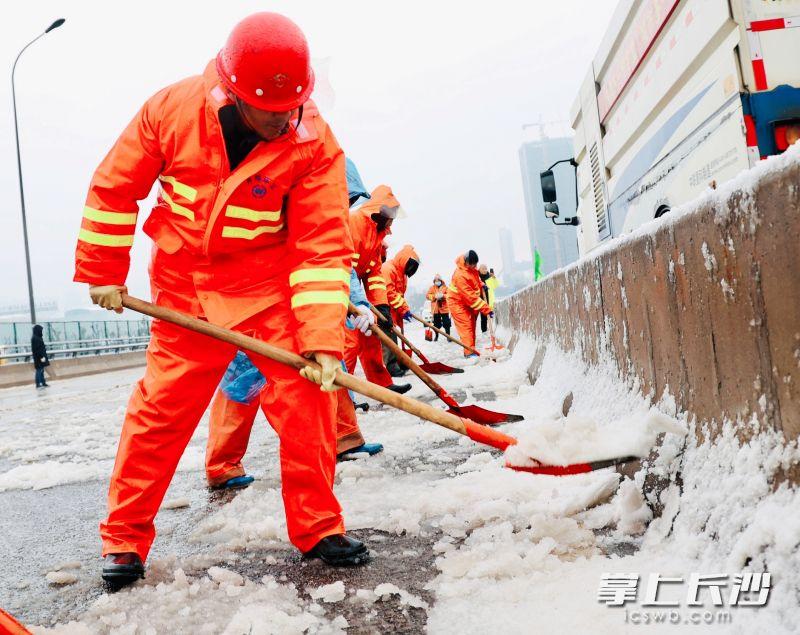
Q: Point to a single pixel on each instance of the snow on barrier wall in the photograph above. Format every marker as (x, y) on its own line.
(704, 305)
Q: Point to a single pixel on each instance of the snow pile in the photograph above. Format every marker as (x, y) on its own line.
(222, 602)
(574, 439)
(333, 592)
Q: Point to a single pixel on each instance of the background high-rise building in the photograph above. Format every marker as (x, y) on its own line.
(557, 245)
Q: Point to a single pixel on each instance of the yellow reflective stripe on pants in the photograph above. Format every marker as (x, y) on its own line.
(181, 189)
(319, 297)
(234, 211)
(319, 275)
(249, 234)
(109, 218)
(105, 240)
(180, 210)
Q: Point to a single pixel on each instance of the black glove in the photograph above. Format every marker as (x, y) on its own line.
(386, 326)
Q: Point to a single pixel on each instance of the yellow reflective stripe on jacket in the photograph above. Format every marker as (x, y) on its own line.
(476, 304)
(105, 240)
(109, 218)
(397, 302)
(452, 288)
(374, 286)
(320, 297)
(234, 211)
(376, 279)
(181, 189)
(249, 234)
(180, 210)
(319, 275)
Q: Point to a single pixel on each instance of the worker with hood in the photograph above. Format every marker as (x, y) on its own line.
(251, 233)
(396, 273)
(465, 299)
(437, 296)
(237, 400)
(369, 225)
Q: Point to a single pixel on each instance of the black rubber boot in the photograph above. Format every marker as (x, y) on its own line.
(340, 550)
(395, 370)
(121, 569)
(400, 389)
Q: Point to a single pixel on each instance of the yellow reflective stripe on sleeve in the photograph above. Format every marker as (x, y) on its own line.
(319, 297)
(319, 275)
(249, 234)
(105, 240)
(180, 210)
(233, 211)
(476, 304)
(453, 289)
(397, 302)
(355, 255)
(181, 189)
(109, 218)
(372, 287)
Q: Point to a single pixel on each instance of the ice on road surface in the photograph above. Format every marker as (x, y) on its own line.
(460, 544)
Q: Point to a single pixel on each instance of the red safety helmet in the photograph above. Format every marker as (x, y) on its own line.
(266, 63)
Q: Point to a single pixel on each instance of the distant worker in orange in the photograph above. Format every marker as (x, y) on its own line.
(465, 299)
(369, 225)
(396, 273)
(437, 296)
(251, 233)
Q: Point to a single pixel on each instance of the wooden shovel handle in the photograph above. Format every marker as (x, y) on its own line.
(407, 361)
(479, 433)
(400, 335)
(441, 332)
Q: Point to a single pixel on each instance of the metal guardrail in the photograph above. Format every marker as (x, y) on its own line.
(92, 347)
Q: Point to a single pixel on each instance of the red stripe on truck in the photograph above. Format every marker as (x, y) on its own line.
(760, 74)
(768, 25)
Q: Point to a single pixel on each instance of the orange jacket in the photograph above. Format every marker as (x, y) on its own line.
(394, 272)
(227, 244)
(438, 306)
(466, 287)
(367, 243)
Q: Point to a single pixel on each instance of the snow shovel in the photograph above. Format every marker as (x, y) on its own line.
(476, 413)
(494, 346)
(476, 432)
(432, 368)
(441, 332)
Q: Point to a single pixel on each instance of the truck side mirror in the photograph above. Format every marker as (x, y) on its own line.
(551, 210)
(548, 186)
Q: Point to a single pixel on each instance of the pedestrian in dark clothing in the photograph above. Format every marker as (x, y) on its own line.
(39, 354)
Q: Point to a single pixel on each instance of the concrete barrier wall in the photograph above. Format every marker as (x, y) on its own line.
(21, 374)
(706, 306)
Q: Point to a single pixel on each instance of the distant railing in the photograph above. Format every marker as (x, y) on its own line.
(73, 339)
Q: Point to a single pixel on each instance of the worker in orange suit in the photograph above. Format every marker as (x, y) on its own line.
(396, 273)
(236, 402)
(465, 300)
(369, 225)
(437, 296)
(250, 233)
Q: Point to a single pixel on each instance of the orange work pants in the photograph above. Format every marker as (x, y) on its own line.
(367, 348)
(465, 320)
(232, 422)
(183, 371)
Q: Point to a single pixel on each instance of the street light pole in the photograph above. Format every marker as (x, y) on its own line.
(54, 25)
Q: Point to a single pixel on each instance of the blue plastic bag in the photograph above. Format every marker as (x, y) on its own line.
(242, 381)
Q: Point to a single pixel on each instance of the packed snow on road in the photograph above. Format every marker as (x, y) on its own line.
(460, 543)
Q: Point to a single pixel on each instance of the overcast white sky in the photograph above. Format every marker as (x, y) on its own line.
(430, 97)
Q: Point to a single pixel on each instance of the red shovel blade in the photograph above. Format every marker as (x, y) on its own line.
(484, 416)
(437, 368)
(575, 468)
